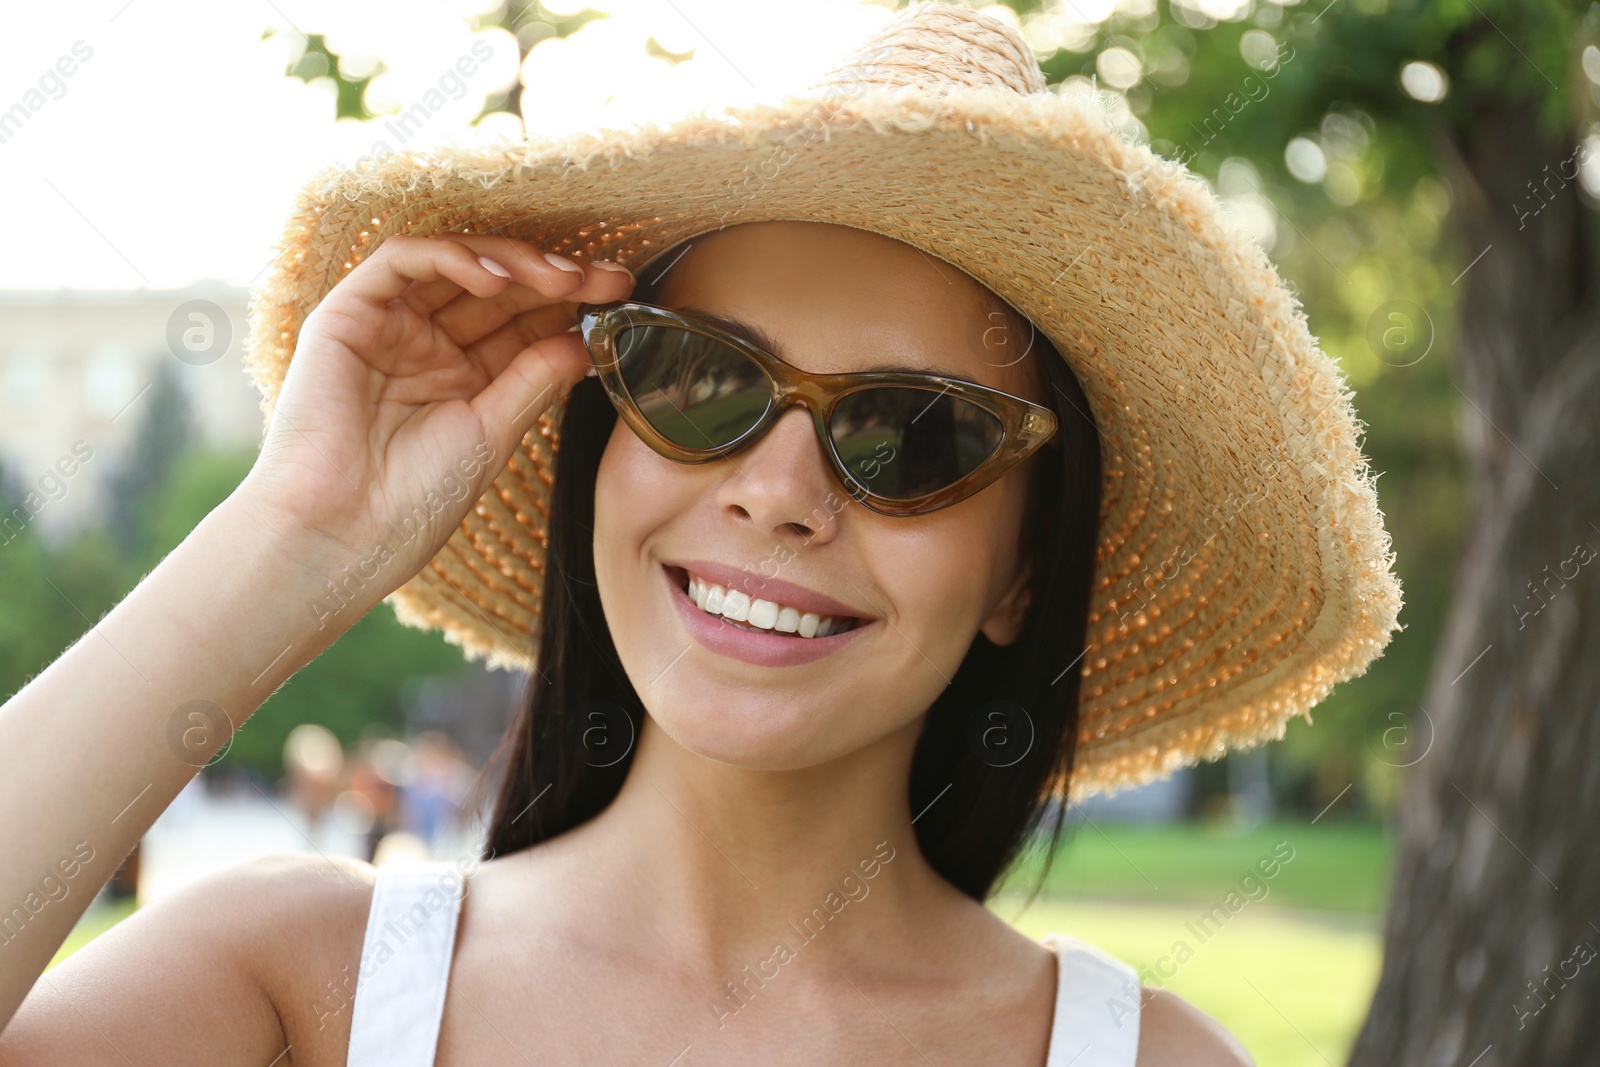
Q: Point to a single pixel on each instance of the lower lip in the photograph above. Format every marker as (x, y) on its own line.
(765, 650)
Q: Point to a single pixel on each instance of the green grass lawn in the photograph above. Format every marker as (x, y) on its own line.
(1288, 963)
(1293, 986)
(1335, 866)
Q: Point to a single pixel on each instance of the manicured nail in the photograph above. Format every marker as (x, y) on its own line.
(606, 264)
(563, 262)
(592, 372)
(493, 268)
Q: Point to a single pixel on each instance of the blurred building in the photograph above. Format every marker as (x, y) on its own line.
(76, 366)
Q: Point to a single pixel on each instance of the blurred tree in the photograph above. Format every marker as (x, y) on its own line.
(54, 593)
(25, 646)
(527, 20)
(163, 432)
(1498, 823)
(1380, 113)
(531, 23)
(353, 685)
(1360, 233)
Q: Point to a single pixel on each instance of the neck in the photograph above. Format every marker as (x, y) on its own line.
(734, 860)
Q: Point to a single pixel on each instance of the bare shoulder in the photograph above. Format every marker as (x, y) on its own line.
(284, 911)
(298, 922)
(253, 958)
(1172, 1031)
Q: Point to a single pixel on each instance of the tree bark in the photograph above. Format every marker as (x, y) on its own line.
(1492, 938)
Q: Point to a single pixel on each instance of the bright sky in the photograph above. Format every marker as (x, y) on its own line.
(172, 150)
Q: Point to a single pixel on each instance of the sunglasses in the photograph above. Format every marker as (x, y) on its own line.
(901, 442)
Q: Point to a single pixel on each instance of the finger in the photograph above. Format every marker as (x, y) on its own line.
(467, 319)
(404, 259)
(495, 351)
(549, 273)
(427, 297)
(509, 405)
(529, 263)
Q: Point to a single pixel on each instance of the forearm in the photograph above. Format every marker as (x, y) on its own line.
(96, 746)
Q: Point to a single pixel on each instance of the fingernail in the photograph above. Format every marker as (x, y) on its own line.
(493, 268)
(592, 372)
(606, 264)
(563, 262)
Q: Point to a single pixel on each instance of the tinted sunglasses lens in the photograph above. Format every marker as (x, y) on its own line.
(696, 391)
(902, 442)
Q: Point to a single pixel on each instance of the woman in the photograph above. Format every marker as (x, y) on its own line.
(711, 844)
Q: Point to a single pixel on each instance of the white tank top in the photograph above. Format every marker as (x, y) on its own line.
(411, 933)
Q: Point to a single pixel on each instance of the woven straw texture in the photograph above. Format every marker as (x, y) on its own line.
(1244, 567)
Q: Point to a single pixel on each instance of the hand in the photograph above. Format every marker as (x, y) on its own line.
(412, 383)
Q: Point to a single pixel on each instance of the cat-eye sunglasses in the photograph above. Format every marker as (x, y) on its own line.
(901, 442)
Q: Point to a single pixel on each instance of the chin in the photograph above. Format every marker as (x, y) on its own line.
(758, 733)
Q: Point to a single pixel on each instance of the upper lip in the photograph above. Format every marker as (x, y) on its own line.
(761, 587)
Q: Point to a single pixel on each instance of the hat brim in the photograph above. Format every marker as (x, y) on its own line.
(1244, 567)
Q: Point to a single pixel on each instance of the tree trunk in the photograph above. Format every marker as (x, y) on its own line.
(1493, 927)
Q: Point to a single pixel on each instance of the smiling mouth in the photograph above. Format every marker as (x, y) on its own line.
(756, 615)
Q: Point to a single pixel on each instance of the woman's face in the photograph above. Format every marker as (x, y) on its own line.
(834, 299)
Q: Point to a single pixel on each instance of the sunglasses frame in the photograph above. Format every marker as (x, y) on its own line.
(1025, 426)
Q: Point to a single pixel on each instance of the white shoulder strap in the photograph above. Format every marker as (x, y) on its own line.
(405, 965)
(1097, 1007)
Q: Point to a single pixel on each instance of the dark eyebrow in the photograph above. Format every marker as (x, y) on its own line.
(748, 330)
(759, 337)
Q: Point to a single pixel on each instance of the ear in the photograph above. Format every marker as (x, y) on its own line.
(1004, 624)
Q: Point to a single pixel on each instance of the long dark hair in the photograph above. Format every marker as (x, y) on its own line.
(996, 746)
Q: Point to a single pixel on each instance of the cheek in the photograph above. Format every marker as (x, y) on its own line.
(938, 582)
(622, 522)
(949, 576)
(633, 496)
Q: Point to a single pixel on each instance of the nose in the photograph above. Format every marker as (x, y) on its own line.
(783, 486)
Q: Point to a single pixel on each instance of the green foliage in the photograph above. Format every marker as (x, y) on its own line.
(1375, 229)
(352, 688)
(55, 593)
(164, 430)
(31, 624)
(316, 60)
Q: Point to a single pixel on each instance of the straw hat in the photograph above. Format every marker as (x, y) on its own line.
(1244, 568)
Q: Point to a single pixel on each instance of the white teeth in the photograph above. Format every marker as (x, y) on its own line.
(763, 613)
(736, 606)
